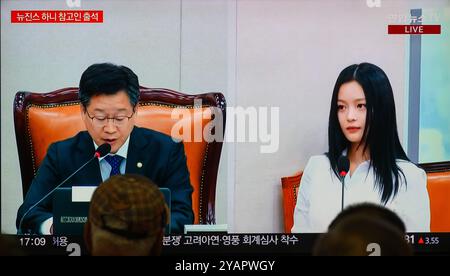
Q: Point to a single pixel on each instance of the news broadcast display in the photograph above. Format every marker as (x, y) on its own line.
(265, 120)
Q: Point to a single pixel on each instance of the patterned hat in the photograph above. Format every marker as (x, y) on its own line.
(131, 206)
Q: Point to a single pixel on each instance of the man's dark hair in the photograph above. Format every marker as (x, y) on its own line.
(127, 216)
(108, 79)
(358, 235)
(370, 210)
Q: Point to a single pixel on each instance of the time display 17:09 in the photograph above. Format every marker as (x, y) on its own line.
(32, 241)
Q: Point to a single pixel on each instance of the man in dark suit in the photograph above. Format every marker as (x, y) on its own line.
(109, 97)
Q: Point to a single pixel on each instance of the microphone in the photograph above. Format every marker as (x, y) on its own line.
(343, 165)
(101, 151)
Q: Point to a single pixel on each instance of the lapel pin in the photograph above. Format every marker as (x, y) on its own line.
(139, 165)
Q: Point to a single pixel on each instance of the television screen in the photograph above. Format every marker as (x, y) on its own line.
(282, 115)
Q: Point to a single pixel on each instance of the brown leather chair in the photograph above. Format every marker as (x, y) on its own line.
(438, 186)
(43, 118)
(290, 185)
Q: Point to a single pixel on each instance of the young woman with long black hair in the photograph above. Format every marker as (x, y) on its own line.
(362, 126)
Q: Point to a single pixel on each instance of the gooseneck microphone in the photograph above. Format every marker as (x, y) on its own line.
(101, 151)
(343, 165)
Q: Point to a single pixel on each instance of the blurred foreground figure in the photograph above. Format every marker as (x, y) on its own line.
(127, 217)
(363, 230)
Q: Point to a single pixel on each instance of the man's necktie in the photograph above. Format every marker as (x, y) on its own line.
(114, 161)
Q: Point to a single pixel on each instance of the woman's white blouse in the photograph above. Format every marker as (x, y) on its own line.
(319, 196)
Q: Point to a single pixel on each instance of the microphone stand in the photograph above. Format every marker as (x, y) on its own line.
(101, 151)
(19, 230)
(342, 174)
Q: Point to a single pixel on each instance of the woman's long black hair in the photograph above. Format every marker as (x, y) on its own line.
(380, 133)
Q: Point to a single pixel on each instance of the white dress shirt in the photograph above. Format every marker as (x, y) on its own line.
(319, 196)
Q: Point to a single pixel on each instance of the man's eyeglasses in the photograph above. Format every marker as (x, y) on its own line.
(101, 121)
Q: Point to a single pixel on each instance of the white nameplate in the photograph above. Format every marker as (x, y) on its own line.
(190, 228)
(82, 193)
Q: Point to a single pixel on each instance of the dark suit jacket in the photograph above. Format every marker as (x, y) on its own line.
(164, 162)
